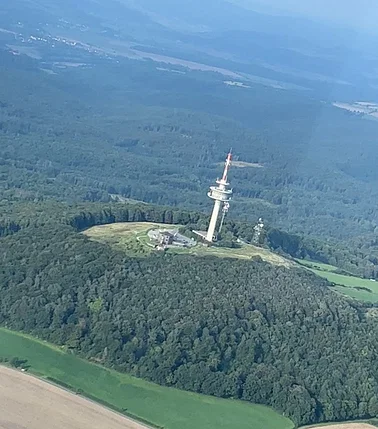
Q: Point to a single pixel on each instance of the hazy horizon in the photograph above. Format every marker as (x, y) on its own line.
(360, 16)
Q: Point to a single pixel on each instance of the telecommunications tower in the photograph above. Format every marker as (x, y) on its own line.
(221, 196)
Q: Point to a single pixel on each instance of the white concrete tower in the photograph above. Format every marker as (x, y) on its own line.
(221, 195)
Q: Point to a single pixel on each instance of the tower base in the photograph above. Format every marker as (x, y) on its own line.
(202, 235)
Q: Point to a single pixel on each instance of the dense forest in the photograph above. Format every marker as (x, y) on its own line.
(245, 330)
(70, 136)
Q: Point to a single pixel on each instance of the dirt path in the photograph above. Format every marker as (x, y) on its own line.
(29, 403)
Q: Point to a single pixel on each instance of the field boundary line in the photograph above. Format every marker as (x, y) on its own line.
(90, 398)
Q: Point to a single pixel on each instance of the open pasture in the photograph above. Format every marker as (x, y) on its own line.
(352, 286)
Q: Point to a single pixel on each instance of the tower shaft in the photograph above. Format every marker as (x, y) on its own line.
(221, 195)
(213, 221)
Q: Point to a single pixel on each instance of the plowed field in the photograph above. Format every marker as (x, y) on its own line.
(347, 426)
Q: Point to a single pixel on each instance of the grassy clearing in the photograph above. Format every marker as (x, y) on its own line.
(132, 238)
(317, 265)
(360, 295)
(246, 252)
(354, 287)
(160, 406)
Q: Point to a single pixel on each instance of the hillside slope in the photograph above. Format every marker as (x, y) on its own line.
(238, 329)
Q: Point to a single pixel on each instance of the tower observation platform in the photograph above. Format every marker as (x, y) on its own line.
(221, 195)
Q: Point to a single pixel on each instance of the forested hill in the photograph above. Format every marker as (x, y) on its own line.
(89, 135)
(362, 260)
(245, 330)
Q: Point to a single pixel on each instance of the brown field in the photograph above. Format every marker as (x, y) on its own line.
(29, 403)
(346, 426)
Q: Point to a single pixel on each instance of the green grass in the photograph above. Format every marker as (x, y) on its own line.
(160, 406)
(349, 281)
(360, 295)
(317, 265)
(245, 251)
(131, 237)
(346, 285)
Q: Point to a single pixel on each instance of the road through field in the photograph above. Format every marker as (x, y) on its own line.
(29, 403)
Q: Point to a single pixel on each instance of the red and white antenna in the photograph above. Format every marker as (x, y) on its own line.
(227, 166)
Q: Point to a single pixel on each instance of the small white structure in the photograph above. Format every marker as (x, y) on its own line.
(258, 230)
(165, 238)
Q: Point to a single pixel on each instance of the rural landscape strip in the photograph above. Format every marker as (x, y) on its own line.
(344, 425)
(170, 408)
(36, 397)
(56, 388)
(99, 401)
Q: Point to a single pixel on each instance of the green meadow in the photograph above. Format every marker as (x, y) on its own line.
(354, 287)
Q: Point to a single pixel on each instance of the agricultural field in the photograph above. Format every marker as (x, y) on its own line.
(356, 425)
(147, 402)
(132, 238)
(24, 399)
(349, 285)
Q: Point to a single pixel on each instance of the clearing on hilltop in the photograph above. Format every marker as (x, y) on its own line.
(133, 238)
